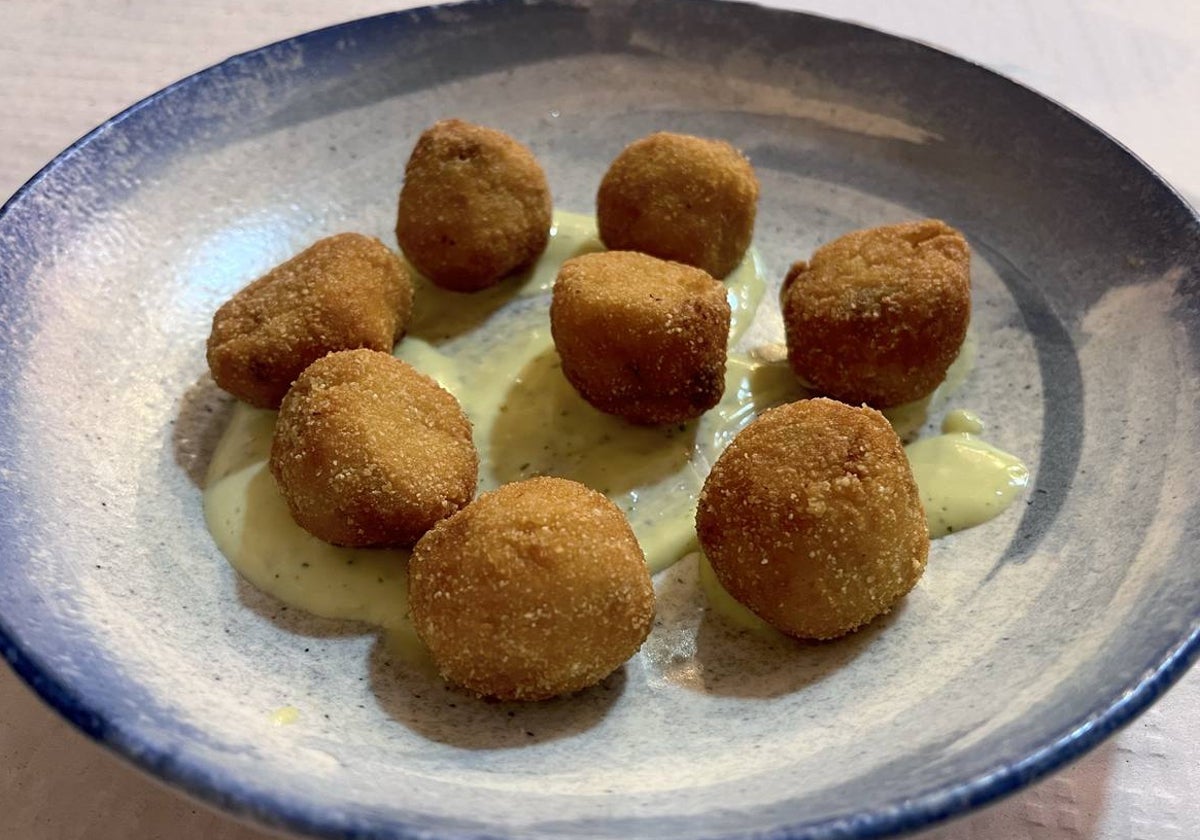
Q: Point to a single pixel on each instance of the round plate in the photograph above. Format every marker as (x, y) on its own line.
(1028, 640)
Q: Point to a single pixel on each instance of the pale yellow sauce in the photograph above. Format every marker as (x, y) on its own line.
(285, 716)
(729, 608)
(254, 529)
(964, 421)
(774, 383)
(963, 480)
(494, 352)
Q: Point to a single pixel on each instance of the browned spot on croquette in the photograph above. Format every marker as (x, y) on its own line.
(369, 452)
(878, 315)
(474, 208)
(343, 292)
(680, 198)
(533, 590)
(640, 337)
(812, 519)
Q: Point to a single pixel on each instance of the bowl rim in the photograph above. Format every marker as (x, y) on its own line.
(279, 810)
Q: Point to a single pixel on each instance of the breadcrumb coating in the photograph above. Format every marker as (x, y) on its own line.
(639, 337)
(812, 519)
(680, 198)
(475, 206)
(534, 590)
(369, 452)
(341, 293)
(877, 316)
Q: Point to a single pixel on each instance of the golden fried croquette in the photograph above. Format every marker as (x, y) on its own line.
(341, 293)
(474, 208)
(811, 518)
(533, 590)
(640, 337)
(680, 198)
(369, 452)
(878, 315)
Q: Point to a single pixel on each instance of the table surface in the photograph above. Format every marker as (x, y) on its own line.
(1132, 69)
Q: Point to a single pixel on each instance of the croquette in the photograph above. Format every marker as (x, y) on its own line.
(475, 206)
(812, 519)
(342, 293)
(877, 316)
(369, 452)
(534, 590)
(639, 337)
(680, 198)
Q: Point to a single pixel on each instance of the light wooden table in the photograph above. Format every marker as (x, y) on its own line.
(1132, 68)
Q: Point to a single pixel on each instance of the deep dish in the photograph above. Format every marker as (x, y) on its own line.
(1096, 704)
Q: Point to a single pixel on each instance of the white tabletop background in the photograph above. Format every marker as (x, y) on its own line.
(1133, 68)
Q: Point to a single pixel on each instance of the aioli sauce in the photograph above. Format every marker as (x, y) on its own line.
(493, 351)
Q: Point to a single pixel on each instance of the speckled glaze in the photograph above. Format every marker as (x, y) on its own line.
(1026, 642)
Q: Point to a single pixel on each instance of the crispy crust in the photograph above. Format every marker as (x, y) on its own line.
(680, 198)
(369, 452)
(878, 315)
(474, 208)
(812, 519)
(532, 591)
(639, 337)
(341, 293)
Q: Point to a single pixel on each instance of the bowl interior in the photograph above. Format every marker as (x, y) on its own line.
(1015, 650)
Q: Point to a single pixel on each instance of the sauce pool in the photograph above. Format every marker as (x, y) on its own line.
(494, 352)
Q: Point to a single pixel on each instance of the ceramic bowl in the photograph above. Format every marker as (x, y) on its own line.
(1028, 640)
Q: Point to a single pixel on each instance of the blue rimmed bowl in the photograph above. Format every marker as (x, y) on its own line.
(1027, 642)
